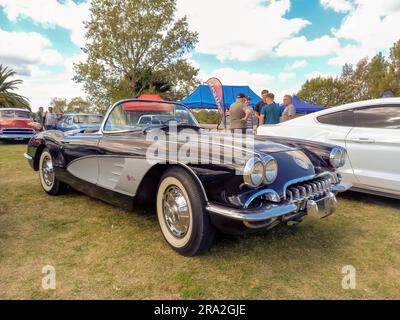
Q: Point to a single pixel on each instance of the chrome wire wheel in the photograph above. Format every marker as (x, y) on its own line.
(176, 211)
(47, 171)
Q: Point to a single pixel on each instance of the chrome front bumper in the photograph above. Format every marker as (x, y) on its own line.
(28, 156)
(286, 210)
(16, 136)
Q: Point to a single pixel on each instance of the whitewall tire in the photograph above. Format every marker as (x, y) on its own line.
(183, 220)
(48, 178)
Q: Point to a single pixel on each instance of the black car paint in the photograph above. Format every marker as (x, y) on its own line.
(220, 182)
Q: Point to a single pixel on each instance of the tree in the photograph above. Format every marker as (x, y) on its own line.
(323, 91)
(79, 105)
(134, 47)
(76, 104)
(394, 69)
(369, 79)
(59, 104)
(8, 98)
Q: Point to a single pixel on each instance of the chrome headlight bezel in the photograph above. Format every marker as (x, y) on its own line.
(251, 177)
(337, 157)
(270, 169)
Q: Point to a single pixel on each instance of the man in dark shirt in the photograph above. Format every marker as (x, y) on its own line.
(258, 107)
(271, 113)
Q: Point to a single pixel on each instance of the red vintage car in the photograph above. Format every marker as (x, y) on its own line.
(17, 124)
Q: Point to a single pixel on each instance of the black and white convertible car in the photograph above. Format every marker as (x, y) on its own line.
(199, 181)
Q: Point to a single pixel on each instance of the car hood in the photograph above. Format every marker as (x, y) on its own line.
(255, 145)
(17, 123)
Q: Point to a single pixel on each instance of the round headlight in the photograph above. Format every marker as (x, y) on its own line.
(253, 173)
(270, 169)
(337, 158)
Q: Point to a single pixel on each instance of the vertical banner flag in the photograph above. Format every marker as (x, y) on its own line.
(218, 93)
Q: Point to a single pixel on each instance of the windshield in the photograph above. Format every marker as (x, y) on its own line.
(138, 114)
(15, 114)
(88, 119)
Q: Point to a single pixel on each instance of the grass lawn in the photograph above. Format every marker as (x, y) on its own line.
(103, 252)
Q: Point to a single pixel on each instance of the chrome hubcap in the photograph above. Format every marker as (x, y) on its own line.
(47, 171)
(176, 211)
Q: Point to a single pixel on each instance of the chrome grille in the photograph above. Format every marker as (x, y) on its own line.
(309, 190)
(18, 131)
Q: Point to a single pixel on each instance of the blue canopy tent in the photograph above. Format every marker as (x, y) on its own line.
(202, 98)
(305, 107)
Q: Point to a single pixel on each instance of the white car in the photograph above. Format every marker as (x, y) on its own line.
(369, 130)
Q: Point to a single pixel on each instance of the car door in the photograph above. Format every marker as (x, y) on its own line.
(123, 162)
(334, 128)
(80, 153)
(374, 147)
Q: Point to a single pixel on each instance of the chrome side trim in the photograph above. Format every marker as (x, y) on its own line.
(270, 212)
(185, 166)
(195, 177)
(28, 156)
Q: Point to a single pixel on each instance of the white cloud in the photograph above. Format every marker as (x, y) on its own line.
(50, 13)
(229, 76)
(43, 85)
(245, 30)
(283, 76)
(372, 25)
(350, 54)
(296, 65)
(23, 50)
(337, 5)
(318, 74)
(301, 47)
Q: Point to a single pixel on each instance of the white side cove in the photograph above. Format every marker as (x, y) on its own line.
(86, 169)
(122, 175)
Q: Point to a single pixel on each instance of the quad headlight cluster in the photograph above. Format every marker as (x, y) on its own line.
(337, 157)
(259, 171)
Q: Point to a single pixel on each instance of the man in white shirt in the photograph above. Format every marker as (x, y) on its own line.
(290, 111)
(51, 119)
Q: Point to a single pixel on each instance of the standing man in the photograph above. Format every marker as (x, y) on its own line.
(40, 117)
(290, 111)
(258, 107)
(250, 120)
(51, 119)
(271, 113)
(239, 112)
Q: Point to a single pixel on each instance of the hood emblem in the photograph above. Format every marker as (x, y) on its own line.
(301, 163)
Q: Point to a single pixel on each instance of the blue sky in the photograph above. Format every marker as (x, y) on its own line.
(273, 44)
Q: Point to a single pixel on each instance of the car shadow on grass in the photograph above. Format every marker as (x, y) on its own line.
(304, 236)
(371, 199)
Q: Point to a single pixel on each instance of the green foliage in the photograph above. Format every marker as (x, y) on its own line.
(207, 116)
(322, 91)
(134, 47)
(76, 104)
(8, 98)
(368, 79)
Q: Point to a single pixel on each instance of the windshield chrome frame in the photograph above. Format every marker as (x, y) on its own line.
(102, 128)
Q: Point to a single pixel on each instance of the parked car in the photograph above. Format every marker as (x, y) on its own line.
(75, 121)
(369, 130)
(17, 124)
(265, 186)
